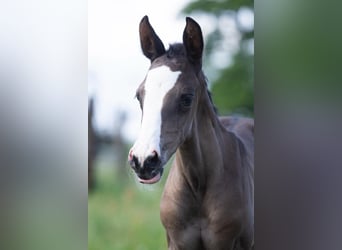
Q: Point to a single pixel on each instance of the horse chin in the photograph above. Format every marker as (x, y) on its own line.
(154, 179)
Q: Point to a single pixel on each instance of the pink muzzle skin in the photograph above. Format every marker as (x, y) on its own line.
(150, 181)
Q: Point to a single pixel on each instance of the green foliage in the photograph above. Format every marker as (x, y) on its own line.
(232, 89)
(216, 7)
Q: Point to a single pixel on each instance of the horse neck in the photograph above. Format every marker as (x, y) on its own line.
(201, 152)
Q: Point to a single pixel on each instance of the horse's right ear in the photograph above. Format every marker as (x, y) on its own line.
(151, 44)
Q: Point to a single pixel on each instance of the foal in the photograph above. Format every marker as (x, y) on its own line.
(209, 194)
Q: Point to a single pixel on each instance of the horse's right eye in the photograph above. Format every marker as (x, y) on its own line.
(137, 96)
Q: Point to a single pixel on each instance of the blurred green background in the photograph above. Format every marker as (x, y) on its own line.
(123, 214)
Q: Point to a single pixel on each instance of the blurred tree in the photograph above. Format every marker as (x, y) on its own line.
(92, 146)
(232, 85)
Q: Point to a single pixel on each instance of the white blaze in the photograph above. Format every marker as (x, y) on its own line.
(158, 83)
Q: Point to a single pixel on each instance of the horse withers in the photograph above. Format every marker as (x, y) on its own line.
(208, 200)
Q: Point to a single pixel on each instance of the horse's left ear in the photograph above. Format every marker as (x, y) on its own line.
(193, 41)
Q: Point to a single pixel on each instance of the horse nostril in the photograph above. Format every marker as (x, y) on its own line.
(152, 160)
(134, 162)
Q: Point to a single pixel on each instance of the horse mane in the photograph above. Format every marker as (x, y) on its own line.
(176, 50)
(212, 103)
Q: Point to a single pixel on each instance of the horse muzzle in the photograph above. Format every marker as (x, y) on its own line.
(148, 170)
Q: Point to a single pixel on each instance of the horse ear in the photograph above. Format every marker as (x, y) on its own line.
(193, 41)
(151, 44)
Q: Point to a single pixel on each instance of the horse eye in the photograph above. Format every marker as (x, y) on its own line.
(137, 96)
(186, 100)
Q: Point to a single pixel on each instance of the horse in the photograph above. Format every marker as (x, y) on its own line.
(208, 198)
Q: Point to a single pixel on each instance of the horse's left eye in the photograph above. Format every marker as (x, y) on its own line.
(186, 100)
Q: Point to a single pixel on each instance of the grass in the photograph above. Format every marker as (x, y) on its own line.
(123, 214)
